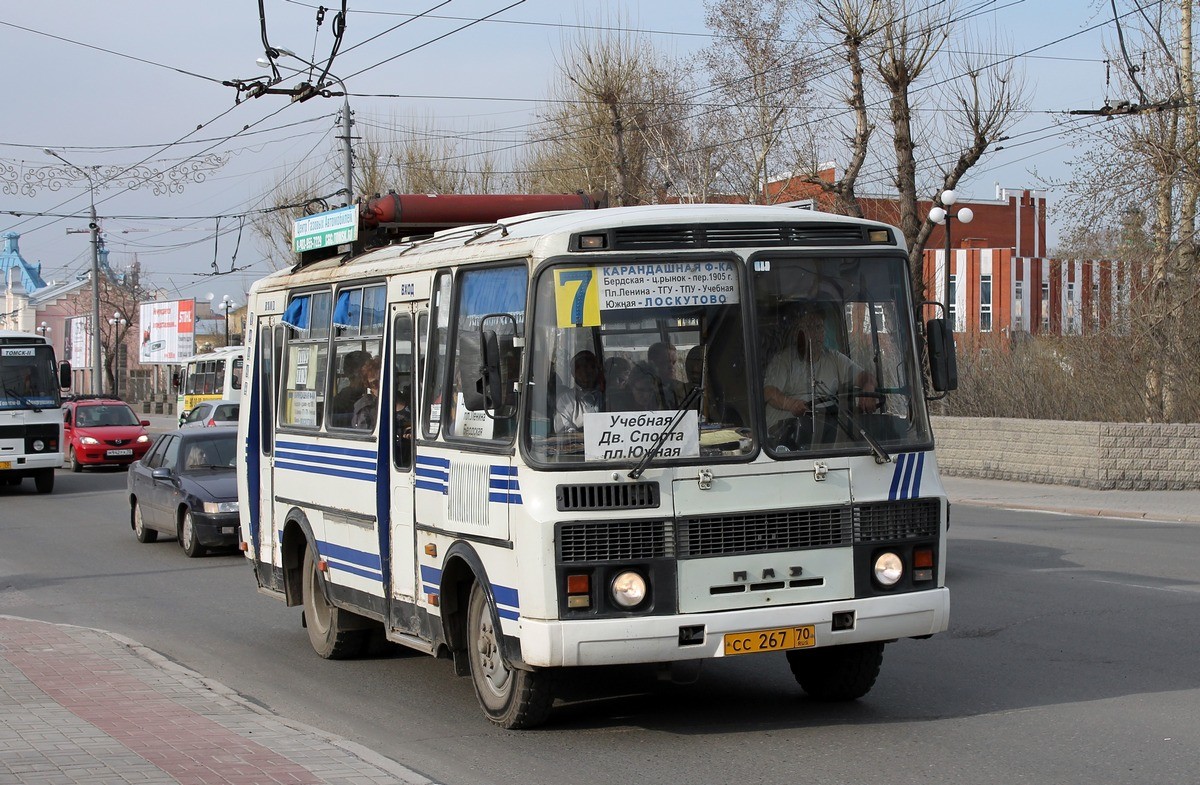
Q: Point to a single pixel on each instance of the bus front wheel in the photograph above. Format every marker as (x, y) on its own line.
(510, 697)
(44, 480)
(837, 673)
(335, 634)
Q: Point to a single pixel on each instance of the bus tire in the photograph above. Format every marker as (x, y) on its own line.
(44, 480)
(143, 533)
(510, 697)
(335, 634)
(837, 673)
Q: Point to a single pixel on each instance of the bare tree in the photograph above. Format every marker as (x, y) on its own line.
(904, 44)
(612, 123)
(1146, 154)
(759, 71)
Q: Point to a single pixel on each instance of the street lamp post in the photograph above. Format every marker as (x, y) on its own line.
(117, 321)
(43, 329)
(94, 226)
(226, 305)
(943, 216)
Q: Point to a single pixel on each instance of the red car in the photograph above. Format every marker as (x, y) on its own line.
(103, 432)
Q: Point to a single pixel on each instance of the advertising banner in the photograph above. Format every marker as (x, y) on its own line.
(168, 331)
(79, 348)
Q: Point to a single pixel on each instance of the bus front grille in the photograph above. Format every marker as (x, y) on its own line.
(732, 535)
(607, 496)
(784, 530)
(898, 520)
(614, 541)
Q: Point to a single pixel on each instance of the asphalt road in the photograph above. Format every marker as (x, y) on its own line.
(1071, 658)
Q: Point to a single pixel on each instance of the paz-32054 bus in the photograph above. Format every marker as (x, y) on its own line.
(657, 434)
(31, 422)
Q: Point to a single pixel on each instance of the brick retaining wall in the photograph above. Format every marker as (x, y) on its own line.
(1129, 456)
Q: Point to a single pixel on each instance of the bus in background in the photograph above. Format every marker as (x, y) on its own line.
(31, 420)
(215, 376)
(596, 437)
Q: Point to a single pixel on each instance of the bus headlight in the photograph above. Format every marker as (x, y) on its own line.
(38, 445)
(629, 589)
(215, 507)
(889, 568)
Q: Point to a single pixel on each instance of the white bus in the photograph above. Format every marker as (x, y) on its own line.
(216, 376)
(31, 420)
(461, 513)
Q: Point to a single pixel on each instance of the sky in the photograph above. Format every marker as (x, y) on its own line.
(138, 83)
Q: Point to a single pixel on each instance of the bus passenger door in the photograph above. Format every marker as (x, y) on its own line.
(401, 512)
(262, 401)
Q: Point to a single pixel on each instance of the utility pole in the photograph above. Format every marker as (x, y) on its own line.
(94, 226)
(347, 122)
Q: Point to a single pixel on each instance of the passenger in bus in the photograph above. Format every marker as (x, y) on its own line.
(616, 374)
(585, 397)
(805, 375)
(641, 392)
(367, 406)
(664, 357)
(350, 389)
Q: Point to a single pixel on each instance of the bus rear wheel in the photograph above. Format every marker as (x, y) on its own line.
(335, 634)
(510, 697)
(837, 673)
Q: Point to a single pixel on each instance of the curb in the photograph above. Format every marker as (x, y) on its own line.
(401, 774)
(1091, 512)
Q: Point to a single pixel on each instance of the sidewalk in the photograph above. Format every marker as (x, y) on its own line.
(85, 706)
(1181, 506)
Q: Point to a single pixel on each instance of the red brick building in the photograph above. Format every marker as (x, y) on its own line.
(1010, 284)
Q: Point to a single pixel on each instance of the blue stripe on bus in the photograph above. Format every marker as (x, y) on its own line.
(431, 486)
(505, 596)
(343, 567)
(340, 463)
(430, 460)
(906, 477)
(328, 472)
(505, 498)
(367, 559)
(328, 450)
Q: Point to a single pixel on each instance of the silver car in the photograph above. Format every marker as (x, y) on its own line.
(208, 414)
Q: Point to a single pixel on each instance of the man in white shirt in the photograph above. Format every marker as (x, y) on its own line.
(806, 374)
(585, 397)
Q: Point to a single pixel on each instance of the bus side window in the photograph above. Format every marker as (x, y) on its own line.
(431, 398)
(497, 290)
(402, 386)
(305, 359)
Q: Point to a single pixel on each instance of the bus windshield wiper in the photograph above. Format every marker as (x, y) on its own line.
(852, 428)
(648, 456)
(28, 404)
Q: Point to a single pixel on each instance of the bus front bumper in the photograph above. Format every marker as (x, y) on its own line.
(28, 465)
(658, 638)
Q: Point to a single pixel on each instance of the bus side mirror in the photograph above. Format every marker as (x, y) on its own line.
(943, 364)
(489, 369)
(64, 375)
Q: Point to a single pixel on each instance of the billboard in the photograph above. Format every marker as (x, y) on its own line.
(168, 331)
(79, 345)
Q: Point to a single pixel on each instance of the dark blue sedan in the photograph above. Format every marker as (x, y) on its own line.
(186, 487)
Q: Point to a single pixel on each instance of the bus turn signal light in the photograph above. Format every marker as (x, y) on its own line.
(579, 591)
(922, 564)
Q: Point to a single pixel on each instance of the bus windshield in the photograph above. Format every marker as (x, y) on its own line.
(615, 351)
(838, 360)
(28, 378)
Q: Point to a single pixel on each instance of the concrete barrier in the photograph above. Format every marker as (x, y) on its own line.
(1126, 456)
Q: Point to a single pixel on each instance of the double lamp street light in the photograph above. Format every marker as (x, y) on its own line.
(943, 216)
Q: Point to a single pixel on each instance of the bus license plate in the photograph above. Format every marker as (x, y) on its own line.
(5, 464)
(119, 453)
(778, 639)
